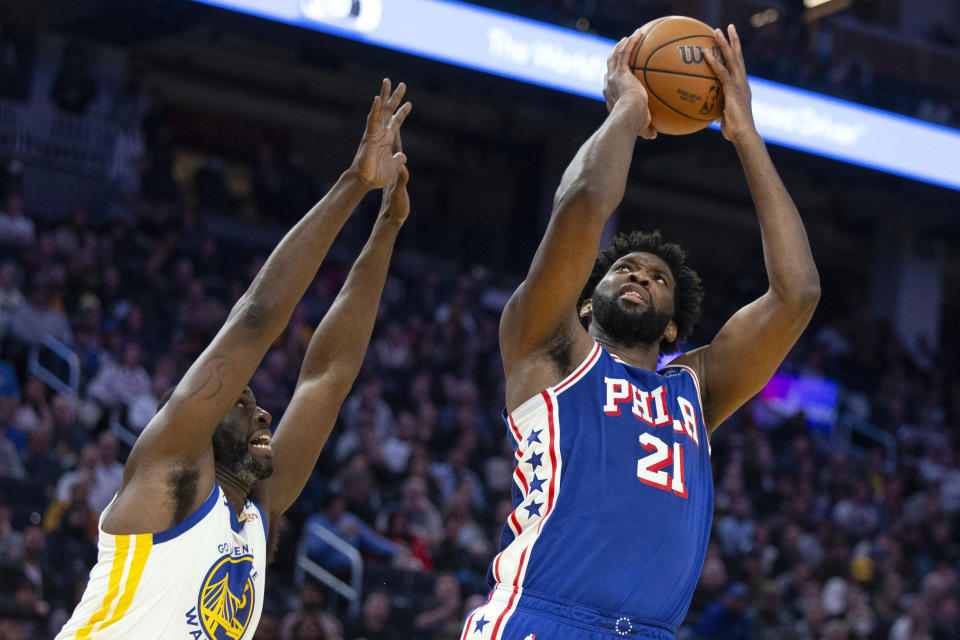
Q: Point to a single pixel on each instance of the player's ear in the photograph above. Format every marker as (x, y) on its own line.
(670, 333)
(586, 308)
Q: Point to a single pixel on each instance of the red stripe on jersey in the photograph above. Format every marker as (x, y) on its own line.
(523, 480)
(513, 429)
(496, 627)
(516, 578)
(466, 627)
(579, 372)
(515, 523)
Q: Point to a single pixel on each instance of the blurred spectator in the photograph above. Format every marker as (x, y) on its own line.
(11, 298)
(84, 476)
(336, 519)
(15, 227)
(69, 436)
(121, 381)
(11, 540)
(72, 549)
(34, 409)
(39, 316)
(308, 620)
(727, 619)
(440, 616)
(109, 473)
(374, 622)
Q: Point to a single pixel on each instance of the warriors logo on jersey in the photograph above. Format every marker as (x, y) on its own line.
(227, 597)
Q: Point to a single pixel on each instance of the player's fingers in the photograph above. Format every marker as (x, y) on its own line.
(717, 66)
(400, 157)
(397, 142)
(649, 133)
(631, 47)
(617, 56)
(373, 118)
(397, 120)
(726, 53)
(735, 45)
(384, 90)
(397, 97)
(403, 176)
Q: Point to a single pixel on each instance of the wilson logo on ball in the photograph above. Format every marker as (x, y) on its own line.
(693, 54)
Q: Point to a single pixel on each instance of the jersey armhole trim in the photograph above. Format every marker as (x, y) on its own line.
(191, 520)
(537, 400)
(696, 383)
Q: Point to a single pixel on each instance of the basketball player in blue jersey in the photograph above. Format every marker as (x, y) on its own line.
(183, 545)
(613, 491)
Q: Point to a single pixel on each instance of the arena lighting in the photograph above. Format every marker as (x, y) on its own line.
(562, 59)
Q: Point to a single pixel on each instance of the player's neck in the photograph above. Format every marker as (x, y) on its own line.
(642, 356)
(235, 490)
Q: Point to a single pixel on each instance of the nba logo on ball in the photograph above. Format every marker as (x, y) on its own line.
(355, 15)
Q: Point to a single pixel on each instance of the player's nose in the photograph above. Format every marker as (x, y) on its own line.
(640, 277)
(263, 417)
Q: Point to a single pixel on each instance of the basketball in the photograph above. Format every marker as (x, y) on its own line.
(684, 92)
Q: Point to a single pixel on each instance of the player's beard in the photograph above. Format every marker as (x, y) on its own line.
(628, 327)
(234, 457)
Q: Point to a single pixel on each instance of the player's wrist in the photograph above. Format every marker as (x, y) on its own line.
(355, 178)
(746, 137)
(634, 108)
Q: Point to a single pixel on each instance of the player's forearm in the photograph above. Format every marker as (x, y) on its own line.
(339, 344)
(790, 267)
(292, 265)
(597, 176)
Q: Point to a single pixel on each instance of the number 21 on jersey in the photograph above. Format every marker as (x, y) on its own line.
(651, 468)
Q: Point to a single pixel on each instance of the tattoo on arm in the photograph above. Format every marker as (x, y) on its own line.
(210, 378)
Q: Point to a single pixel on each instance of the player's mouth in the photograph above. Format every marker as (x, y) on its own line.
(260, 443)
(633, 293)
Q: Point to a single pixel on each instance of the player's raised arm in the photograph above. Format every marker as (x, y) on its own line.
(334, 356)
(751, 345)
(591, 188)
(179, 436)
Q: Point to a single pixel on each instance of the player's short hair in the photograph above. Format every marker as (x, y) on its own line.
(688, 292)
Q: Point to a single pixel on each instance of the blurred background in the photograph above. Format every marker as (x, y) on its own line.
(153, 152)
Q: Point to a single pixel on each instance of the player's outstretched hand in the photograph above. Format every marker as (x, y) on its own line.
(378, 161)
(396, 202)
(737, 118)
(620, 85)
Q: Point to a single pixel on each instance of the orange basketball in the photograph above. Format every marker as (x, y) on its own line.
(684, 93)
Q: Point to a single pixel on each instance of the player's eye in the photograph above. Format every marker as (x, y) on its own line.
(623, 267)
(242, 404)
(661, 279)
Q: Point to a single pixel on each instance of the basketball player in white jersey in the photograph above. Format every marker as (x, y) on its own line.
(183, 545)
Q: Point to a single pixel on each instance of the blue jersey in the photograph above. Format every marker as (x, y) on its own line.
(613, 495)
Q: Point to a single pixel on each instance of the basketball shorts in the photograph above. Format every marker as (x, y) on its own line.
(508, 615)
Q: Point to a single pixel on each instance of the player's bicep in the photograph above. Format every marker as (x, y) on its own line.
(746, 352)
(209, 388)
(543, 304)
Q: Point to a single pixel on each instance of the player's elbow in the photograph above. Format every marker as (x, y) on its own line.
(253, 315)
(331, 382)
(582, 198)
(803, 296)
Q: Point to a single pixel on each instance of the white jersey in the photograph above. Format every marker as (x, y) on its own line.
(201, 579)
